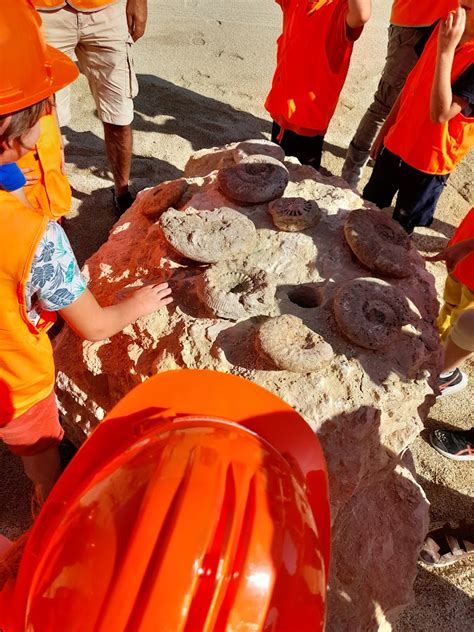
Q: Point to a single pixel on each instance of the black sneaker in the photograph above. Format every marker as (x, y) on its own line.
(122, 203)
(451, 383)
(454, 444)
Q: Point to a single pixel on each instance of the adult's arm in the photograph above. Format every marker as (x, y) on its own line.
(137, 14)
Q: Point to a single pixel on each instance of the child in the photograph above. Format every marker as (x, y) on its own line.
(12, 179)
(456, 326)
(313, 58)
(431, 126)
(410, 21)
(38, 272)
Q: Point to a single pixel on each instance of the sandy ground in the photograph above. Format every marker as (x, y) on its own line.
(204, 68)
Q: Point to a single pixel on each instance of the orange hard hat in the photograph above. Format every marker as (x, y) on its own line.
(30, 70)
(199, 504)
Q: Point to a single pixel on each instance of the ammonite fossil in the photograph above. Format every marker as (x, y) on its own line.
(379, 242)
(294, 213)
(234, 293)
(254, 180)
(162, 197)
(289, 345)
(208, 236)
(258, 146)
(371, 312)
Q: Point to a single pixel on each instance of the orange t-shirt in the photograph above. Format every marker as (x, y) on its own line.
(420, 12)
(80, 5)
(313, 56)
(464, 271)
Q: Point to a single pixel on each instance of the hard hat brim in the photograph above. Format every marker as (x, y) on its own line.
(61, 72)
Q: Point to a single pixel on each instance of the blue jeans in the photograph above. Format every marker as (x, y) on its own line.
(417, 192)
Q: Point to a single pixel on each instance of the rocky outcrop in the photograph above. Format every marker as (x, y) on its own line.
(364, 393)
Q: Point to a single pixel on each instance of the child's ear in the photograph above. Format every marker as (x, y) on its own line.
(4, 123)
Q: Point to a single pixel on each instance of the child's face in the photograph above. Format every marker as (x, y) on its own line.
(14, 150)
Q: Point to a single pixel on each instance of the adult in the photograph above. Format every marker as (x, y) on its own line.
(410, 21)
(101, 34)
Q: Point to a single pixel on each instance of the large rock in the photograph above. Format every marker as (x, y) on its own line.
(366, 405)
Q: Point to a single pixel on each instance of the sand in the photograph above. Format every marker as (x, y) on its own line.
(204, 68)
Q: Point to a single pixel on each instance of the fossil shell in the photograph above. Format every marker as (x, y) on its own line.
(162, 197)
(371, 312)
(236, 293)
(258, 146)
(208, 236)
(379, 243)
(253, 181)
(291, 346)
(294, 213)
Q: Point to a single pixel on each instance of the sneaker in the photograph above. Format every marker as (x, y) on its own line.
(448, 543)
(457, 445)
(451, 382)
(122, 203)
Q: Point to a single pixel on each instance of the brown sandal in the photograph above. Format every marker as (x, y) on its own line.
(448, 543)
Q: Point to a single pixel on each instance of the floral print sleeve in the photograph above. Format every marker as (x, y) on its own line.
(55, 280)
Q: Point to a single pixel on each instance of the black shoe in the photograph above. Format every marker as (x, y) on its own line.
(122, 203)
(454, 444)
(451, 383)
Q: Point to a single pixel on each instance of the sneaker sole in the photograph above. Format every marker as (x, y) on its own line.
(450, 390)
(453, 457)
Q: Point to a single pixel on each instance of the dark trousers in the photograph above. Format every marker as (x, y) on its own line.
(418, 192)
(308, 149)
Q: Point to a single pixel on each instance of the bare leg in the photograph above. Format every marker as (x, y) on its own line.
(460, 341)
(43, 470)
(454, 356)
(118, 145)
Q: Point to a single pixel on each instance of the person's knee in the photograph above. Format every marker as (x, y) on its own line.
(462, 333)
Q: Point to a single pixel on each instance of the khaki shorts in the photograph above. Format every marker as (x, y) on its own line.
(456, 317)
(103, 45)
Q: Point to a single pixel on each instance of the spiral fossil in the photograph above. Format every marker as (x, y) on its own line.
(379, 243)
(208, 236)
(236, 293)
(252, 181)
(289, 345)
(371, 312)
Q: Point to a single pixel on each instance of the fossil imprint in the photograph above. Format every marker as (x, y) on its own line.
(371, 312)
(289, 345)
(208, 236)
(379, 243)
(255, 180)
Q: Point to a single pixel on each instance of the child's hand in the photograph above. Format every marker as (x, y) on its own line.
(451, 31)
(454, 254)
(150, 298)
(30, 180)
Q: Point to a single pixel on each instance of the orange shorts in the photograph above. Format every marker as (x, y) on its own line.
(36, 430)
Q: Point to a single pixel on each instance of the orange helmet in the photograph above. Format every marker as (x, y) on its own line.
(30, 70)
(200, 504)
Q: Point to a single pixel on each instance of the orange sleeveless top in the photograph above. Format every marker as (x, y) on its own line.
(434, 148)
